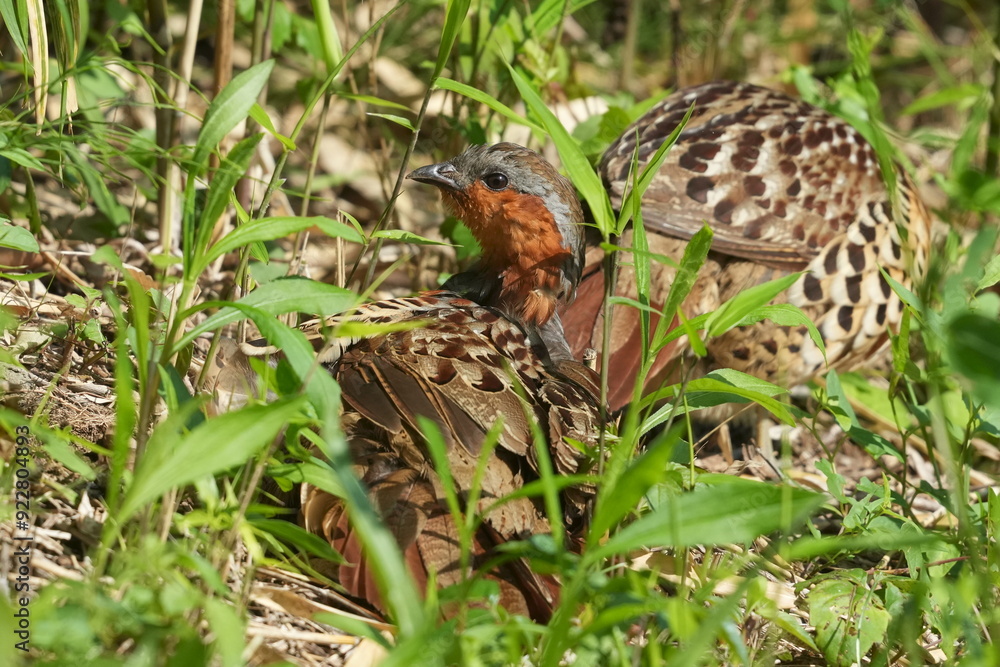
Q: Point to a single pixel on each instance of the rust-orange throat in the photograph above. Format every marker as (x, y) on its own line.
(526, 217)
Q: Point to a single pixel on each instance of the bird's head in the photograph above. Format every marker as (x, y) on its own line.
(526, 217)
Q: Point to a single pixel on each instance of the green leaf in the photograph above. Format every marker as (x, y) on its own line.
(406, 237)
(23, 158)
(300, 538)
(733, 311)
(60, 450)
(551, 12)
(648, 173)
(259, 115)
(230, 107)
(694, 257)
(18, 238)
(616, 501)
(97, 186)
(974, 351)
(576, 163)
(333, 50)
(228, 631)
(454, 18)
(268, 229)
(398, 120)
(717, 388)
(848, 617)
(786, 315)
(952, 95)
(991, 274)
(380, 547)
(484, 98)
(230, 171)
(174, 458)
(314, 472)
(16, 29)
(277, 297)
(375, 101)
(728, 510)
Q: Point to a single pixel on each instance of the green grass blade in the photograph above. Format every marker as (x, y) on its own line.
(174, 458)
(486, 99)
(729, 511)
(575, 162)
(231, 106)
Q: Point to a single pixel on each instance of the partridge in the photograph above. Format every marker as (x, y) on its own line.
(489, 347)
(785, 187)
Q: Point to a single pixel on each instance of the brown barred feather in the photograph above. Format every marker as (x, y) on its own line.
(784, 186)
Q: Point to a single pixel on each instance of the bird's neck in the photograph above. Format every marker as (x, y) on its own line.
(525, 290)
(526, 297)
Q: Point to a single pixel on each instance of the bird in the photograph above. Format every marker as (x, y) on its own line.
(785, 187)
(488, 346)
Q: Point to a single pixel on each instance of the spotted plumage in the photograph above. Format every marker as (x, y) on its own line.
(487, 349)
(785, 187)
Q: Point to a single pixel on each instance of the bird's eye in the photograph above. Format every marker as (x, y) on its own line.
(495, 181)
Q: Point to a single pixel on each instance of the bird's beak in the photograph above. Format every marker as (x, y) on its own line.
(439, 175)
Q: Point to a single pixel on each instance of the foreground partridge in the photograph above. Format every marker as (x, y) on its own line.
(785, 187)
(488, 347)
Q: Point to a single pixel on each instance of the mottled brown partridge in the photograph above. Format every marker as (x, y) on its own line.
(785, 187)
(488, 347)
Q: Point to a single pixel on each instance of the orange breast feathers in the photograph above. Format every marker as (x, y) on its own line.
(521, 242)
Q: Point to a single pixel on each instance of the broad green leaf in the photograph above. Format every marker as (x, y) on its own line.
(991, 274)
(174, 458)
(314, 472)
(849, 618)
(793, 625)
(729, 510)
(908, 297)
(21, 157)
(615, 502)
(839, 404)
(268, 229)
(550, 12)
(694, 257)
(97, 186)
(57, 447)
(230, 107)
(320, 387)
(356, 329)
(277, 297)
(648, 173)
(23, 277)
(233, 167)
(18, 238)
(381, 550)
(717, 388)
(743, 304)
(965, 93)
(655, 256)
